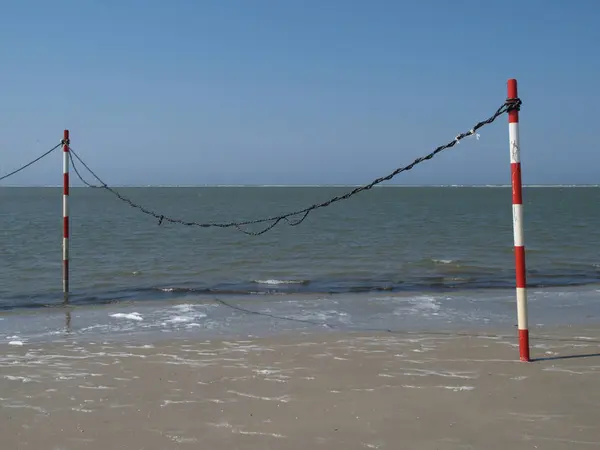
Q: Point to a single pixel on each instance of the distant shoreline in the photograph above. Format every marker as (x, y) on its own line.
(319, 186)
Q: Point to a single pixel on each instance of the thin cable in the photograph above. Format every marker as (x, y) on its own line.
(30, 163)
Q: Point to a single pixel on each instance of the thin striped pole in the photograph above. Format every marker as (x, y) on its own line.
(66, 143)
(517, 208)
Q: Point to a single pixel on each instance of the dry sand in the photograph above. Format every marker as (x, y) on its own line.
(334, 391)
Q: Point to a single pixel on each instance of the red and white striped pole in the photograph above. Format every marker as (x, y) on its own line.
(66, 143)
(517, 208)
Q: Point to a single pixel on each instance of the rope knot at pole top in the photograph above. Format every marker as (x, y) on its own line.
(513, 104)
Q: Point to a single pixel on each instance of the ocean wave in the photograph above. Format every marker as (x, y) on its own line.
(444, 275)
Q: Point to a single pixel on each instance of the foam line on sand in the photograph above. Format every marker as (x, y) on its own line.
(334, 391)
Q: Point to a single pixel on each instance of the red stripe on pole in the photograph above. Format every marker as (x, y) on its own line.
(517, 198)
(513, 116)
(524, 345)
(517, 189)
(66, 216)
(520, 266)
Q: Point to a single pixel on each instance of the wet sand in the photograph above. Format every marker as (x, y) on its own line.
(330, 391)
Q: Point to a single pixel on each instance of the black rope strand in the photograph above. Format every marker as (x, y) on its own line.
(76, 170)
(509, 105)
(4, 177)
(272, 316)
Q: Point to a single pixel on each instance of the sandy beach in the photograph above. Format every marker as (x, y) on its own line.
(330, 391)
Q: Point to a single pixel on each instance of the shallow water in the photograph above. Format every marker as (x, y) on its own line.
(388, 258)
(206, 317)
(387, 239)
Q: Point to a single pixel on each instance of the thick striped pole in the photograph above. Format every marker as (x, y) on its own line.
(517, 208)
(66, 216)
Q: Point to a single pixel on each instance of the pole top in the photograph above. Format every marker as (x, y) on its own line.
(512, 88)
(66, 135)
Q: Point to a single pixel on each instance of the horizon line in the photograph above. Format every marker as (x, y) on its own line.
(304, 186)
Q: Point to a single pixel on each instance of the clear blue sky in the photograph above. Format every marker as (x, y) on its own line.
(305, 91)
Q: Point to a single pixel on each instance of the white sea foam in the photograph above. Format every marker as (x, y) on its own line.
(281, 399)
(185, 319)
(130, 316)
(425, 302)
(421, 304)
(458, 388)
(186, 307)
(21, 379)
(276, 282)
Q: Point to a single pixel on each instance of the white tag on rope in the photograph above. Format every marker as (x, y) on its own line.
(477, 135)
